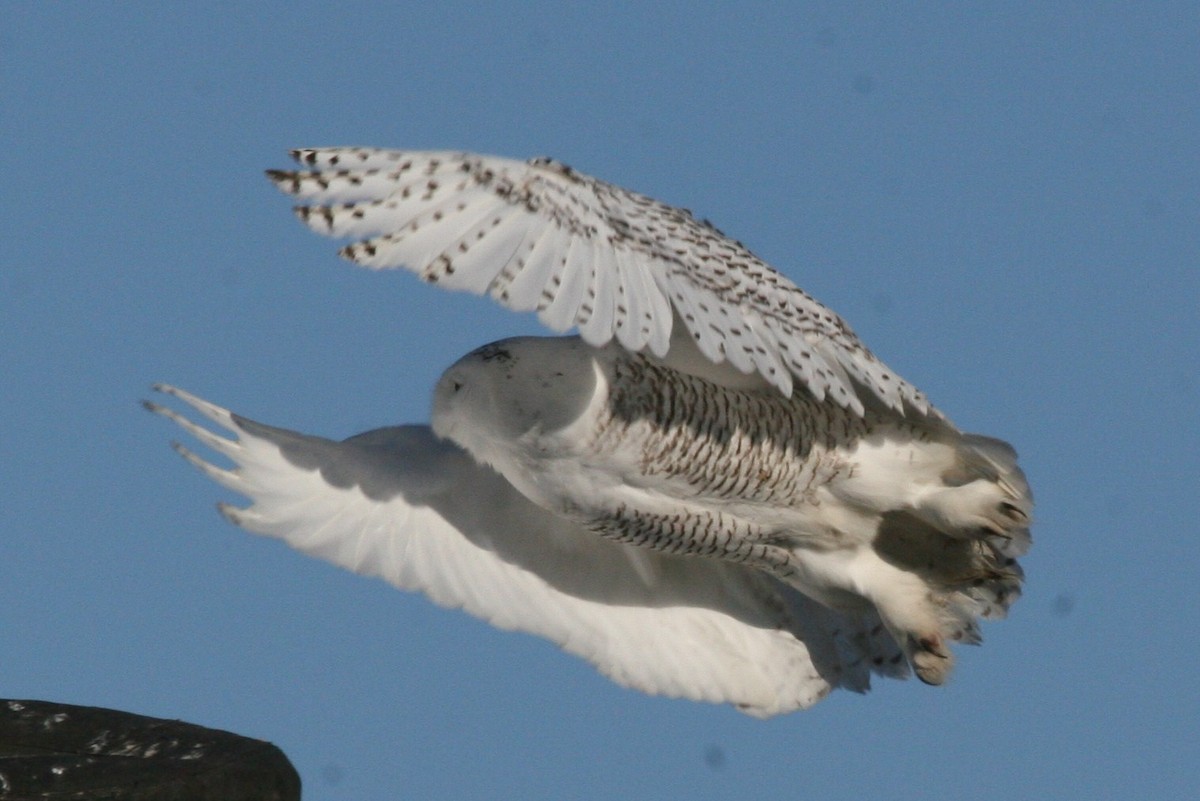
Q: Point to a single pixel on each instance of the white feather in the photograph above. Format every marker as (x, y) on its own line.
(390, 503)
(665, 259)
(681, 519)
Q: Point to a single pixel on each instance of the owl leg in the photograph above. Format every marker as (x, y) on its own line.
(918, 628)
(907, 605)
(981, 509)
(913, 615)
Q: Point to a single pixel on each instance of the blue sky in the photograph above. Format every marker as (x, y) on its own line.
(1002, 199)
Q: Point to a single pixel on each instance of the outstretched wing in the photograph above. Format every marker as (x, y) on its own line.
(540, 236)
(418, 512)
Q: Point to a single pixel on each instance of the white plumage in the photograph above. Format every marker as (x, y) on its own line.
(715, 491)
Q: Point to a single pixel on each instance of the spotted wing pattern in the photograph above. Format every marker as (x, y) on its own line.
(540, 236)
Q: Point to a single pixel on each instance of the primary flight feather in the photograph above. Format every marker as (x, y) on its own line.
(714, 491)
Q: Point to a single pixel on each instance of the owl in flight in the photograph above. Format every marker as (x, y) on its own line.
(713, 491)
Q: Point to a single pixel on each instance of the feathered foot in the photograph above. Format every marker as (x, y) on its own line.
(931, 659)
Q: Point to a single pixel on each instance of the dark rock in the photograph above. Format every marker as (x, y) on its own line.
(60, 751)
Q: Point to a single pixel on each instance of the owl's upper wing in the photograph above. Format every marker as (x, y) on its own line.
(582, 252)
(418, 512)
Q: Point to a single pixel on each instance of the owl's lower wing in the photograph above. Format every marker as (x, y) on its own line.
(418, 512)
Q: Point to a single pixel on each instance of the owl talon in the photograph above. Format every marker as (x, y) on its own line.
(932, 661)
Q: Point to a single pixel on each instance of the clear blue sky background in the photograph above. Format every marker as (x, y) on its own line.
(1003, 199)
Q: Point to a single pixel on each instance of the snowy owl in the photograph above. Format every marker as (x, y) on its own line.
(714, 491)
